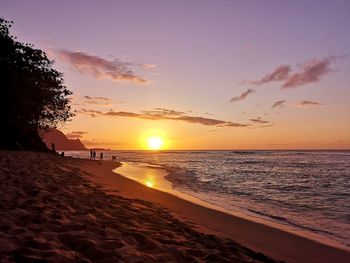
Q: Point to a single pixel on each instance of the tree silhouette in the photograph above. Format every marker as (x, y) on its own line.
(33, 95)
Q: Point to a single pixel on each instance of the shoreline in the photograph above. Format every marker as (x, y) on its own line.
(68, 210)
(271, 241)
(160, 183)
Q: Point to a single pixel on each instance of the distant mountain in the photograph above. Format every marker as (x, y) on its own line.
(60, 140)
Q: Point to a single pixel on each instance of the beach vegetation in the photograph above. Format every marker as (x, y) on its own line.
(33, 94)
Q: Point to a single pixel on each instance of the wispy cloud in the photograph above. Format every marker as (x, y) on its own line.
(99, 67)
(91, 113)
(102, 101)
(148, 66)
(278, 104)
(96, 101)
(259, 120)
(306, 103)
(309, 72)
(261, 126)
(267, 126)
(279, 74)
(76, 134)
(242, 96)
(165, 114)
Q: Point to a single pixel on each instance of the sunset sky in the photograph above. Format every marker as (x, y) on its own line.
(201, 74)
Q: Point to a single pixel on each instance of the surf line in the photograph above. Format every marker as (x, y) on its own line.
(153, 176)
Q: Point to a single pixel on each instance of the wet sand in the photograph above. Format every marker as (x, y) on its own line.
(260, 237)
(154, 176)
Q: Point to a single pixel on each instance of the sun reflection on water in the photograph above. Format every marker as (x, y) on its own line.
(149, 183)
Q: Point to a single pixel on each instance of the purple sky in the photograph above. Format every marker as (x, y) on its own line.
(205, 60)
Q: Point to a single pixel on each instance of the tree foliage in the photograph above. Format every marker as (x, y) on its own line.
(33, 94)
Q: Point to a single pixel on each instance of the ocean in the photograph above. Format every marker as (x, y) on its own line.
(307, 190)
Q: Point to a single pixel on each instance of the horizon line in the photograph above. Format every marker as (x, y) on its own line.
(146, 150)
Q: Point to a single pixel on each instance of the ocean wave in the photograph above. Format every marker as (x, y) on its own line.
(284, 185)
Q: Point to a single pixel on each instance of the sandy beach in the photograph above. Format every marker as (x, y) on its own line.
(57, 209)
(174, 131)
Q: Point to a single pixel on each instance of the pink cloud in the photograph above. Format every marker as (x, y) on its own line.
(310, 72)
(306, 103)
(148, 66)
(279, 74)
(278, 104)
(242, 96)
(165, 114)
(258, 120)
(100, 68)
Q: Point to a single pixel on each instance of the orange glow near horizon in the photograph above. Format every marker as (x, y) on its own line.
(133, 134)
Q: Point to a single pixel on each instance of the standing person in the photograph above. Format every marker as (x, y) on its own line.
(91, 154)
(94, 154)
(101, 156)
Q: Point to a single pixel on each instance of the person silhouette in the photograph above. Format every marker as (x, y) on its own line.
(94, 155)
(91, 154)
(101, 156)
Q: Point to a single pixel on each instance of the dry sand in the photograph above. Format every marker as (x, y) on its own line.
(51, 211)
(56, 209)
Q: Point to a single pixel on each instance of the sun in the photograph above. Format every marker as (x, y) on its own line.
(155, 143)
(154, 140)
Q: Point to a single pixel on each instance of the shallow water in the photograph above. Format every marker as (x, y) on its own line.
(309, 190)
